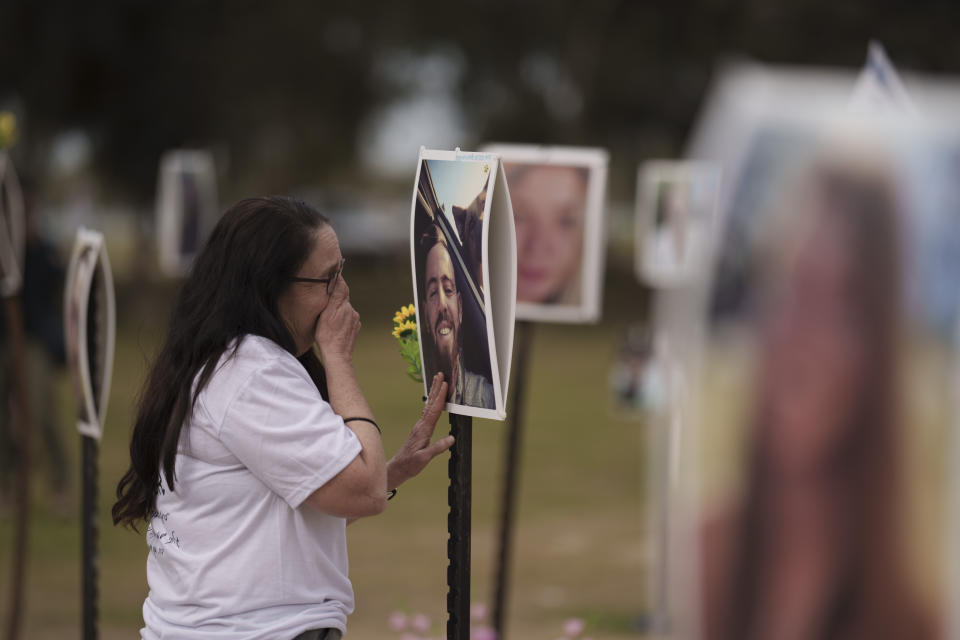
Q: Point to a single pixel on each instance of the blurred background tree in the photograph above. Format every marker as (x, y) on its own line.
(294, 93)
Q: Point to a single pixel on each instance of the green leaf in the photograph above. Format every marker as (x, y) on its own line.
(410, 352)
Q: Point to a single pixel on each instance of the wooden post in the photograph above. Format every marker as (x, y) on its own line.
(508, 498)
(458, 527)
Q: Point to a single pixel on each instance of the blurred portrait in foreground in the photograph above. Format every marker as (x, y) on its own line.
(818, 462)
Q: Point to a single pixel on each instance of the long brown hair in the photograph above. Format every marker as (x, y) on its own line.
(256, 248)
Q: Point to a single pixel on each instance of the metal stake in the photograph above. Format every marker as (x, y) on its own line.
(89, 480)
(19, 416)
(458, 528)
(89, 536)
(508, 499)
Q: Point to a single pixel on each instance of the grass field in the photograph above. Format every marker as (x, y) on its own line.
(580, 546)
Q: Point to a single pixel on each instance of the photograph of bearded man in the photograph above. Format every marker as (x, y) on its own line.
(442, 309)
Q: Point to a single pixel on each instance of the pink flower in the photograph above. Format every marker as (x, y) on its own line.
(478, 611)
(483, 633)
(397, 621)
(574, 627)
(420, 623)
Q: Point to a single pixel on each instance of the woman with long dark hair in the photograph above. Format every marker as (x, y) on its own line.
(249, 457)
(816, 549)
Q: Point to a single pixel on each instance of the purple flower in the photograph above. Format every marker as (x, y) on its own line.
(397, 621)
(478, 611)
(574, 627)
(420, 623)
(483, 633)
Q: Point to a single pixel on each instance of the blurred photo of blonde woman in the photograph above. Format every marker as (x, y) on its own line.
(815, 547)
(549, 206)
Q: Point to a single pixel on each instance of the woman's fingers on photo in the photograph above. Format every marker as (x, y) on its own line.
(437, 389)
(438, 395)
(434, 407)
(423, 430)
(434, 385)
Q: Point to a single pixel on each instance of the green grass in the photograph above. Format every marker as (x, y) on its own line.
(579, 546)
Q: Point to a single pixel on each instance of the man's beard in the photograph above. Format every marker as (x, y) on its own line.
(445, 363)
(446, 360)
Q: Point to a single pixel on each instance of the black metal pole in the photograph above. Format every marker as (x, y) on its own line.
(458, 527)
(20, 417)
(89, 535)
(508, 499)
(89, 480)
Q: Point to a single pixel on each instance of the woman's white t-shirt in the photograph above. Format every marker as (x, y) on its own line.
(233, 552)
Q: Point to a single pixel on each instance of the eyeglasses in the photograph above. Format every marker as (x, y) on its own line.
(331, 281)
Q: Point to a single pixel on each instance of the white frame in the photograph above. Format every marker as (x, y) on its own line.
(649, 176)
(499, 265)
(174, 262)
(12, 229)
(595, 160)
(78, 288)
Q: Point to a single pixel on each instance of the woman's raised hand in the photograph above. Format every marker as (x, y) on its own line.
(417, 452)
(338, 326)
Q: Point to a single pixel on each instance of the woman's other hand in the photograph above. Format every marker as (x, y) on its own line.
(417, 452)
(337, 326)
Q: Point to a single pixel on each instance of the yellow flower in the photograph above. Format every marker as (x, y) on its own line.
(404, 329)
(405, 322)
(405, 313)
(8, 129)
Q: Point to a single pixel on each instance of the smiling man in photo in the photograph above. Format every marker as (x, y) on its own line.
(443, 315)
